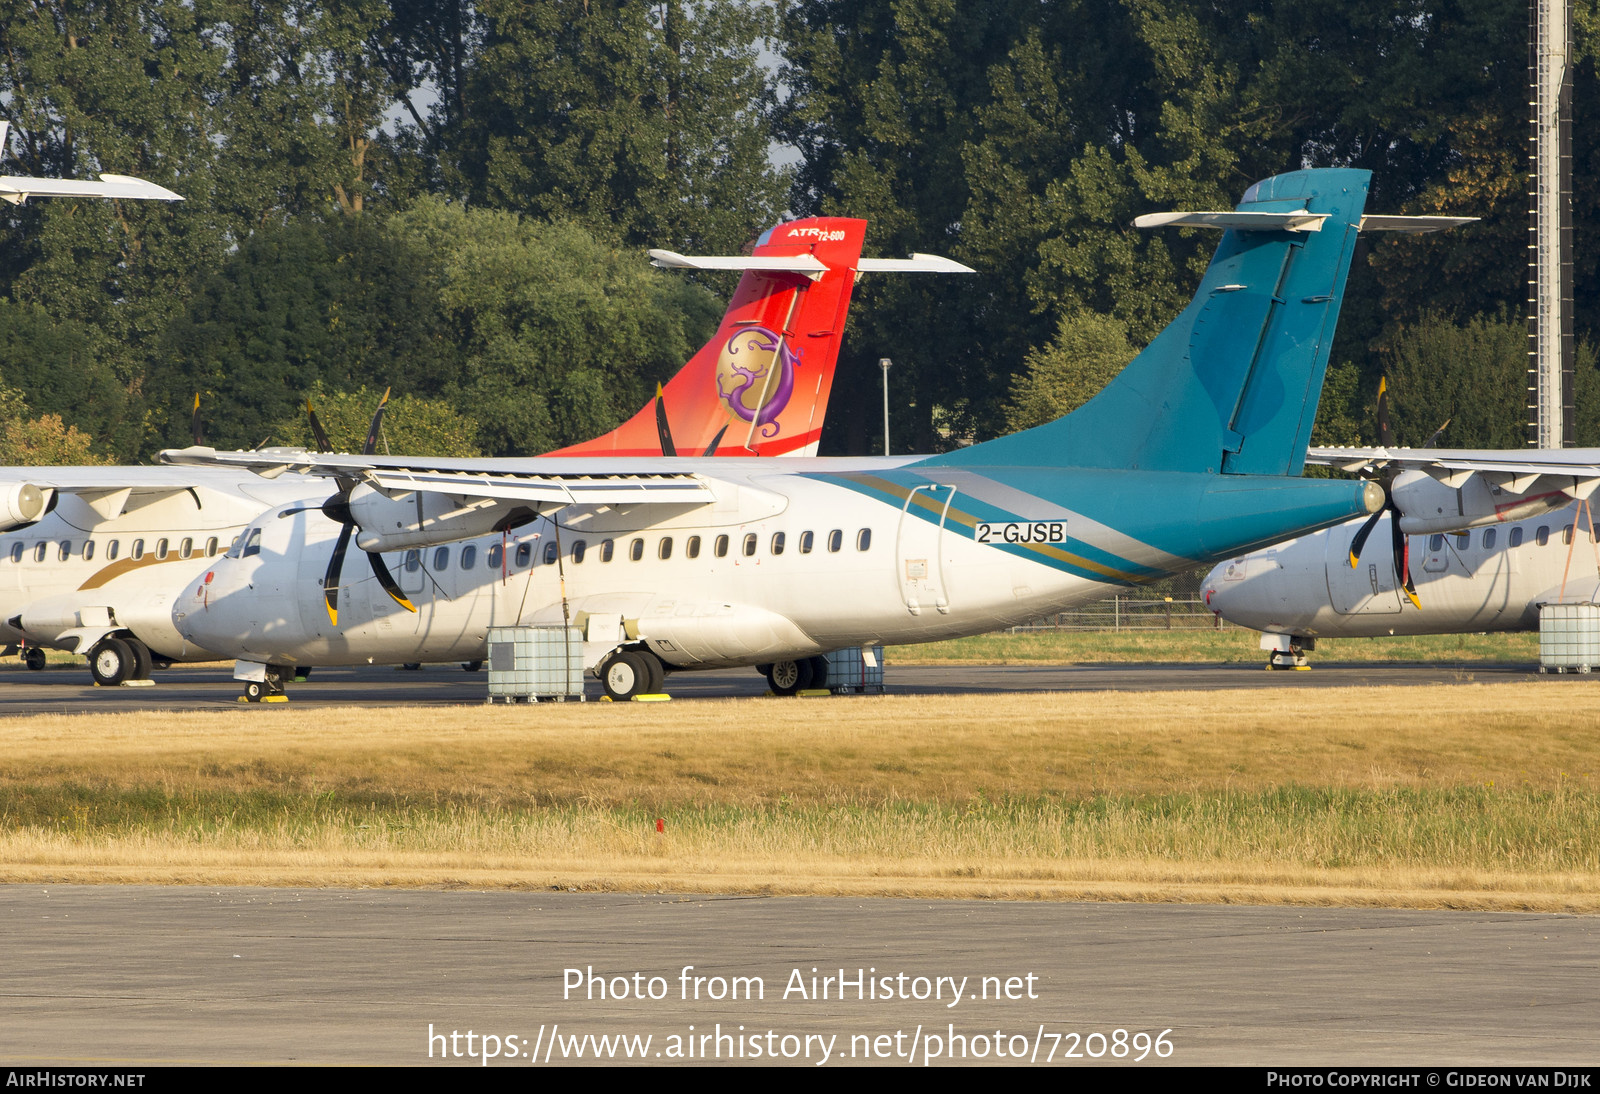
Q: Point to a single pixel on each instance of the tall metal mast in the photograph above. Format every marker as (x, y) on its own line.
(1551, 348)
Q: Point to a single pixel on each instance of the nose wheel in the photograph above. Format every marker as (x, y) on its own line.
(269, 690)
(1288, 652)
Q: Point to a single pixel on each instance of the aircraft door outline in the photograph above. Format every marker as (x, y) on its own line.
(1368, 589)
(919, 552)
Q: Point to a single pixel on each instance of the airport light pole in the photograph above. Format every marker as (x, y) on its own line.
(883, 363)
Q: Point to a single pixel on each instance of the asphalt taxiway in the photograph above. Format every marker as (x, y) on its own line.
(68, 689)
(124, 976)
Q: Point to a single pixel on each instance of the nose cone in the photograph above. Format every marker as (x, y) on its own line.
(1247, 591)
(203, 614)
(1219, 582)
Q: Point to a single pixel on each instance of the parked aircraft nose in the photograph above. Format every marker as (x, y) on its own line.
(207, 612)
(1237, 590)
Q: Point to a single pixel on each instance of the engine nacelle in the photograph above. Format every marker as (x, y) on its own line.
(425, 517)
(1428, 505)
(21, 503)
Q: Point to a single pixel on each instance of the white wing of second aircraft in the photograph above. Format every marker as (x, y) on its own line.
(1575, 471)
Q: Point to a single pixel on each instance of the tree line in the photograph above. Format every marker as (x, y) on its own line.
(454, 199)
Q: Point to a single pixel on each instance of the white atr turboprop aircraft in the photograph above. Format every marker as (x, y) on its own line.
(1191, 455)
(1484, 538)
(93, 558)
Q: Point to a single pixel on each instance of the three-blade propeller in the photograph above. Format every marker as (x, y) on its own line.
(1399, 544)
(337, 509)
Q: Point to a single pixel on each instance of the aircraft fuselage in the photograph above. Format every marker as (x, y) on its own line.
(778, 566)
(1484, 579)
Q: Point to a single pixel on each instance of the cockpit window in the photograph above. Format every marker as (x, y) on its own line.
(252, 543)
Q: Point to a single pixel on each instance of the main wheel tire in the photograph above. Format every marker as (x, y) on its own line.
(110, 662)
(160, 664)
(302, 673)
(34, 657)
(254, 690)
(788, 677)
(655, 671)
(624, 675)
(819, 672)
(142, 661)
(472, 666)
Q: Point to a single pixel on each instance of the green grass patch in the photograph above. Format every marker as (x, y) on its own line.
(1231, 645)
(1499, 830)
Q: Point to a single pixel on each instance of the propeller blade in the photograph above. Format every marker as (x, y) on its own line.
(1437, 433)
(330, 580)
(663, 430)
(1402, 558)
(1360, 539)
(195, 429)
(323, 444)
(1385, 434)
(377, 422)
(711, 449)
(380, 570)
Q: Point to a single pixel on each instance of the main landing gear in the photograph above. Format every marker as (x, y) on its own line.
(792, 677)
(117, 660)
(1287, 651)
(630, 673)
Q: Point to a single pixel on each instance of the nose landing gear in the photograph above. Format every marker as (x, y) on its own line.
(1287, 651)
(268, 689)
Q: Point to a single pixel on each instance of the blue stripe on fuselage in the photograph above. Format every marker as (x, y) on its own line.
(1152, 522)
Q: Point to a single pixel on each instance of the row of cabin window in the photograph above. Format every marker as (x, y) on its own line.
(1541, 536)
(186, 549)
(493, 557)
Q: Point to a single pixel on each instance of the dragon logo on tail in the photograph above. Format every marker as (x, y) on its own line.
(755, 376)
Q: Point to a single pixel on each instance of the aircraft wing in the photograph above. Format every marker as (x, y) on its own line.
(17, 189)
(590, 481)
(1575, 471)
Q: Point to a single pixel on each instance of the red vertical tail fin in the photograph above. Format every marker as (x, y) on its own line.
(761, 386)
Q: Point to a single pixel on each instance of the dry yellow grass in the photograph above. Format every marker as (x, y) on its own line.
(925, 748)
(1152, 796)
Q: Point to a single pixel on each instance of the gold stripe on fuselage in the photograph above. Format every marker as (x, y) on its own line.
(924, 500)
(107, 574)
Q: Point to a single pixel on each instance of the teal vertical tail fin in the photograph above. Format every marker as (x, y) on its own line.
(1232, 384)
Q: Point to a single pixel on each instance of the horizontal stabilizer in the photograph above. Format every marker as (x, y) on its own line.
(804, 264)
(1414, 225)
(16, 189)
(1298, 221)
(917, 263)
